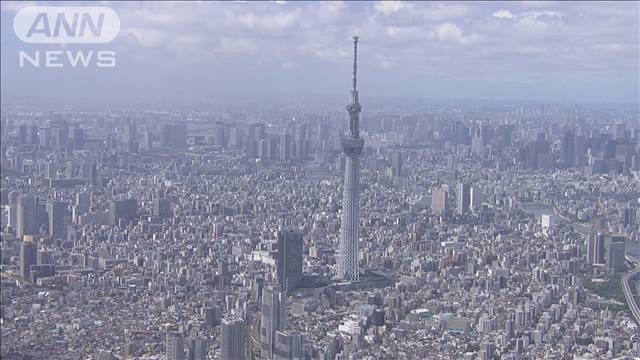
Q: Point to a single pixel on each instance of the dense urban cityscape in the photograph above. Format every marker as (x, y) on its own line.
(293, 228)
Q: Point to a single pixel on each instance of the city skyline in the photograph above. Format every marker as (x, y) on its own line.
(175, 185)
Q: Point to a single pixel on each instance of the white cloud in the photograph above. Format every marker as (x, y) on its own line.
(327, 11)
(540, 20)
(451, 33)
(544, 14)
(416, 13)
(503, 14)
(408, 32)
(389, 7)
(434, 37)
(444, 11)
(270, 22)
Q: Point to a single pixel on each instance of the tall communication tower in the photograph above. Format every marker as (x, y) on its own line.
(352, 145)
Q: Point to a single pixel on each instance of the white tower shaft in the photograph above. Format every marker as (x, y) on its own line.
(352, 145)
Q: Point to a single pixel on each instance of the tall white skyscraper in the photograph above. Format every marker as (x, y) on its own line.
(463, 199)
(352, 145)
(475, 198)
(274, 318)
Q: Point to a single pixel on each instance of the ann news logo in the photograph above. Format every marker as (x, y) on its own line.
(66, 25)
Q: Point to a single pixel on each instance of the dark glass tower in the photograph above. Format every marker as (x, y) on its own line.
(289, 266)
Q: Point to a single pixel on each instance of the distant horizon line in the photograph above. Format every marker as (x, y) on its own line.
(233, 97)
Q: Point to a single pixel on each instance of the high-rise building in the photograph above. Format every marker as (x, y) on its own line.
(235, 137)
(90, 173)
(22, 134)
(323, 135)
(629, 217)
(57, 211)
(44, 137)
(218, 230)
(595, 249)
(259, 131)
(161, 207)
(78, 138)
(3, 128)
(175, 346)
(300, 148)
(289, 265)
(396, 163)
(28, 219)
(224, 277)
(475, 197)
(59, 134)
(463, 198)
(263, 149)
(28, 257)
(568, 148)
(352, 144)
(505, 134)
(33, 133)
(198, 348)
(146, 142)
(51, 170)
(130, 138)
(272, 148)
(591, 248)
(615, 253)
(82, 205)
(221, 136)
(289, 345)
(620, 131)
(477, 142)
(580, 150)
(599, 251)
(301, 142)
(274, 318)
(12, 211)
(232, 335)
(451, 162)
(125, 210)
(285, 146)
(211, 316)
(439, 205)
(174, 135)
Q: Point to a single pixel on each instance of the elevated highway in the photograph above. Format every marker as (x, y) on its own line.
(626, 287)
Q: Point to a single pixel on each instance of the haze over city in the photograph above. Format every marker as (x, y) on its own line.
(319, 180)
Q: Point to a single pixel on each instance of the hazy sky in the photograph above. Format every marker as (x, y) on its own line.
(197, 51)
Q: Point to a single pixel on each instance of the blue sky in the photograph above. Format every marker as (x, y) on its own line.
(181, 52)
